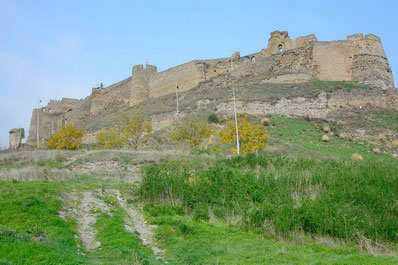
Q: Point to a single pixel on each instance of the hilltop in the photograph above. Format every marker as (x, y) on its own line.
(357, 60)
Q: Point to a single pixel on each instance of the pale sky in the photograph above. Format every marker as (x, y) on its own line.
(54, 49)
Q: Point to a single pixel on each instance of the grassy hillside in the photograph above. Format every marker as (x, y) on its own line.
(302, 201)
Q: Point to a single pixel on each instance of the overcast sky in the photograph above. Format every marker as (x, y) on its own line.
(54, 49)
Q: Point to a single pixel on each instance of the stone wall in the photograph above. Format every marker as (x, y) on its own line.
(118, 93)
(148, 83)
(333, 60)
(51, 118)
(358, 58)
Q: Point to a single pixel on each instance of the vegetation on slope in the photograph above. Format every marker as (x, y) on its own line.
(339, 199)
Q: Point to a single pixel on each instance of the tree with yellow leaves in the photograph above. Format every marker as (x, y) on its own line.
(68, 137)
(133, 126)
(110, 138)
(190, 131)
(252, 137)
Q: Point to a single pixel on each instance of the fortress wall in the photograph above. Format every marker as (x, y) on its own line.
(213, 68)
(63, 105)
(370, 63)
(300, 42)
(186, 76)
(333, 60)
(114, 94)
(49, 124)
(372, 98)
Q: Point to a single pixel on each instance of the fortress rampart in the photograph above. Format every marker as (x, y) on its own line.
(358, 58)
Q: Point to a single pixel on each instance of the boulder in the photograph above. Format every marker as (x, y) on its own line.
(325, 138)
(376, 150)
(265, 122)
(326, 128)
(357, 157)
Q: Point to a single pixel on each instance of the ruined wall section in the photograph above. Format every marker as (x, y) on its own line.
(370, 64)
(49, 123)
(118, 93)
(51, 118)
(184, 76)
(333, 60)
(148, 83)
(357, 58)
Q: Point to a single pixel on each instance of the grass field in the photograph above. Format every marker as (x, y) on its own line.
(302, 201)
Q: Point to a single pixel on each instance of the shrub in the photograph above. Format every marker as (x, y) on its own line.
(252, 137)
(190, 131)
(68, 137)
(213, 118)
(110, 139)
(133, 126)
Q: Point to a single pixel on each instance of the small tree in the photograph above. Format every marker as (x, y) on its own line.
(133, 126)
(110, 138)
(252, 137)
(213, 118)
(190, 131)
(68, 137)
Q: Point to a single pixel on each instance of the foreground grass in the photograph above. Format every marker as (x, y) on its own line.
(31, 232)
(197, 242)
(340, 199)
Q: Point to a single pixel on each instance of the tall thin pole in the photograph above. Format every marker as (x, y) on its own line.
(38, 124)
(236, 123)
(178, 104)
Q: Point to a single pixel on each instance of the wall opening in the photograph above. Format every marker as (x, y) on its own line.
(49, 110)
(69, 110)
(280, 47)
(253, 59)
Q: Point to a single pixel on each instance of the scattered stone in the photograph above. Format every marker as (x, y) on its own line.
(265, 122)
(357, 157)
(326, 128)
(331, 133)
(383, 138)
(394, 143)
(325, 138)
(395, 156)
(344, 135)
(376, 150)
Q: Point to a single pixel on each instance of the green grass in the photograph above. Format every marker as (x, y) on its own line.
(197, 242)
(119, 246)
(298, 138)
(28, 210)
(340, 199)
(29, 213)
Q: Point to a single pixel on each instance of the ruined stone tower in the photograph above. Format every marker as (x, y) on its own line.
(140, 83)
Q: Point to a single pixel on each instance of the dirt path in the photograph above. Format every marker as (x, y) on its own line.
(136, 222)
(86, 206)
(85, 212)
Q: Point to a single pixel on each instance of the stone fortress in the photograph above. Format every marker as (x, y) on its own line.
(358, 58)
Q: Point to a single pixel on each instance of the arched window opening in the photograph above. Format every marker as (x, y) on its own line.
(280, 47)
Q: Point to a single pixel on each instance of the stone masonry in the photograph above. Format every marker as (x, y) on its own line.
(358, 58)
(16, 136)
